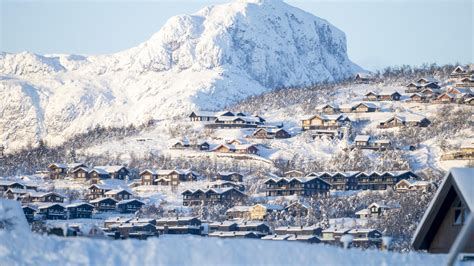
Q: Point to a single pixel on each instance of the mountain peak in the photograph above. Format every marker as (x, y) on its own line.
(206, 60)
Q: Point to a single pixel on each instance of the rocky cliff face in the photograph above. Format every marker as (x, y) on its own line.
(207, 60)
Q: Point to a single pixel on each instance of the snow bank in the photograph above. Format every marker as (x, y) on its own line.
(190, 250)
(12, 217)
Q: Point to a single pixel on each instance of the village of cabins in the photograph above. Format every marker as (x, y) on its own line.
(116, 205)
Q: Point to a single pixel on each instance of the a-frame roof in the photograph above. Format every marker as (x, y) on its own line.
(461, 182)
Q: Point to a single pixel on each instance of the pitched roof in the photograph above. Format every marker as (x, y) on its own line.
(77, 204)
(239, 209)
(102, 199)
(459, 179)
(110, 168)
(117, 191)
(130, 200)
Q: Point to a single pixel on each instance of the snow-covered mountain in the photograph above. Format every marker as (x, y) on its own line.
(207, 60)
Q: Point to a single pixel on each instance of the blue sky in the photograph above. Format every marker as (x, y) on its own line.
(379, 33)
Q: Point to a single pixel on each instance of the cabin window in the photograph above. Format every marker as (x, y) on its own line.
(459, 214)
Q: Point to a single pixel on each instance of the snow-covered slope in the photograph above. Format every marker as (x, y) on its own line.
(168, 250)
(207, 60)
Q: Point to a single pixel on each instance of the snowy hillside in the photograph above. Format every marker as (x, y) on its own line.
(207, 60)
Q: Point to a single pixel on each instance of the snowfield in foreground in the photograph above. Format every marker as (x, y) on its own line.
(189, 250)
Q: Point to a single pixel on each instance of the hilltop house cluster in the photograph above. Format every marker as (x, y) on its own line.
(459, 89)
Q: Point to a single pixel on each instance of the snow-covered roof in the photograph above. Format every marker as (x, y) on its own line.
(239, 209)
(180, 218)
(101, 186)
(77, 204)
(99, 170)
(299, 179)
(322, 106)
(370, 105)
(362, 138)
(276, 237)
(215, 190)
(301, 237)
(117, 191)
(427, 80)
(382, 141)
(223, 223)
(406, 118)
(110, 168)
(130, 200)
(102, 199)
(46, 205)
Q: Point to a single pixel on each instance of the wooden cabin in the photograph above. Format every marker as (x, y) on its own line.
(97, 174)
(29, 212)
(115, 171)
(365, 238)
(34, 196)
(212, 196)
(324, 122)
(179, 225)
(52, 211)
(238, 212)
(230, 176)
(297, 209)
(204, 146)
(119, 194)
(364, 108)
(363, 78)
(129, 206)
(362, 140)
(328, 109)
(447, 214)
(147, 177)
(446, 98)
(80, 210)
(96, 191)
(271, 133)
(407, 120)
(104, 204)
(417, 98)
(260, 211)
(202, 116)
(301, 186)
(81, 173)
(57, 170)
(461, 72)
(382, 96)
